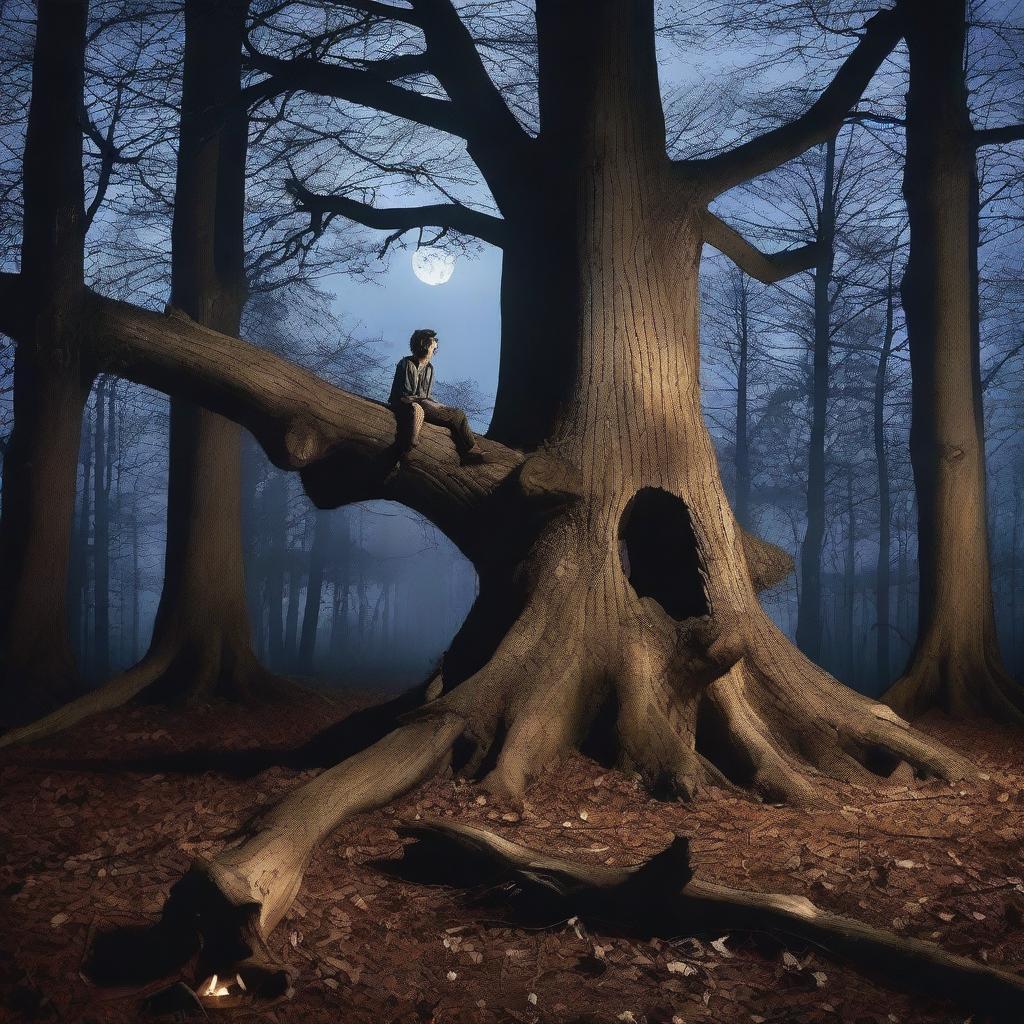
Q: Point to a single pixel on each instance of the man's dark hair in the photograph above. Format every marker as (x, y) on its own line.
(420, 341)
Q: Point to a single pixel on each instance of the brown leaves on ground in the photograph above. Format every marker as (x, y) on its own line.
(96, 826)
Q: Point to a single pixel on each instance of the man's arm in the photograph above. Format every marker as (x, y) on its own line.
(404, 387)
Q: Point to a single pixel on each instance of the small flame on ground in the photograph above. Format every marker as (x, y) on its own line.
(213, 989)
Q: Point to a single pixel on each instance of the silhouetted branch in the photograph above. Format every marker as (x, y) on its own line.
(765, 267)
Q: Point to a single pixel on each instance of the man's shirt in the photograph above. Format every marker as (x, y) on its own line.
(411, 380)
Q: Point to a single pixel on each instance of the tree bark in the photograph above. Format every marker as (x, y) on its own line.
(956, 664)
(809, 618)
(51, 379)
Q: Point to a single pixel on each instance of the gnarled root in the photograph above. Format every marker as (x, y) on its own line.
(960, 686)
(771, 722)
(167, 676)
(662, 894)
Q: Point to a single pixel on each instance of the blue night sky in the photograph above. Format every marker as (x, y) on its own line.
(464, 312)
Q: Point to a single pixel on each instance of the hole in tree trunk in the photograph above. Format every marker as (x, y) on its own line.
(659, 553)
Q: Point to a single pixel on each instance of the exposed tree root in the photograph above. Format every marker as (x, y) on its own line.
(223, 909)
(663, 894)
(960, 686)
(161, 676)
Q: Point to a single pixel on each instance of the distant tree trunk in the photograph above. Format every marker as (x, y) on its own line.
(956, 664)
(51, 380)
(884, 499)
(809, 626)
(79, 584)
(850, 580)
(101, 539)
(135, 588)
(291, 619)
(314, 590)
(742, 440)
(275, 500)
(1014, 549)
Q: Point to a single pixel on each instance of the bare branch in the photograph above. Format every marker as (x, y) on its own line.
(382, 10)
(357, 86)
(766, 152)
(765, 267)
(997, 136)
(452, 216)
(457, 65)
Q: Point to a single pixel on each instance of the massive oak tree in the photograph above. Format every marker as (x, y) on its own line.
(617, 593)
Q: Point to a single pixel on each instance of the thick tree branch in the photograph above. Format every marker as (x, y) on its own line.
(997, 136)
(343, 444)
(382, 10)
(456, 64)
(881, 33)
(363, 87)
(400, 66)
(765, 267)
(443, 215)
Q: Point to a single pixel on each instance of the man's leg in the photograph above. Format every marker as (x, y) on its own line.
(409, 419)
(455, 420)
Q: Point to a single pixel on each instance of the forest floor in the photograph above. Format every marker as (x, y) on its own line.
(96, 826)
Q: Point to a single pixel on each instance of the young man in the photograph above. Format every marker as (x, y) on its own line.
(411, 402)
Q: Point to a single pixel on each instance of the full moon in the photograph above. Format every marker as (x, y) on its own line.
(433, 266)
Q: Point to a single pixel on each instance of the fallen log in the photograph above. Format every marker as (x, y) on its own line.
(662, 894)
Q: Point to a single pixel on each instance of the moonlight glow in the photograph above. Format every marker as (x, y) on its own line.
(433, 266)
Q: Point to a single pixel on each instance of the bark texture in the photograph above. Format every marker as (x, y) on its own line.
(956, 664)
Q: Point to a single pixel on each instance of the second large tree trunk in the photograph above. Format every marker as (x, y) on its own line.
(956, 663)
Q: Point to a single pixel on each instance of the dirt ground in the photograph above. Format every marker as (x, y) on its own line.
(95, 827)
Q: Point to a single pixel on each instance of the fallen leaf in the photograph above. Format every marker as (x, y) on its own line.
(679, 967)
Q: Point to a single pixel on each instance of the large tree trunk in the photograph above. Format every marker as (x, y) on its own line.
(51, 380)
(314, 590)
(809, 622)
(956, 664)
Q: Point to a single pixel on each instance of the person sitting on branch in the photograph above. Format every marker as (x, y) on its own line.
(412, 405)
